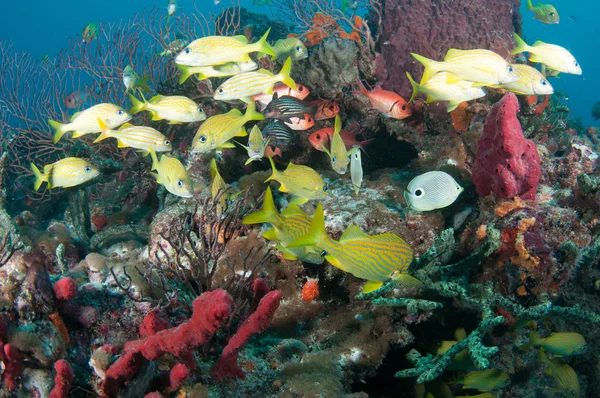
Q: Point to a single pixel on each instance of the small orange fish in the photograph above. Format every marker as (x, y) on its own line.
(301, 123)
(387, 102)
(322, 138)
(325, 109)
(270, 152)
(281, 89)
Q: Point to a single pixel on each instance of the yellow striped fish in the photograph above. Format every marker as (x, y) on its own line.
(531, 82)
(138, 137)
(65, 173)
(563, 374)
(483, 67)
(256, 145)
(291, 224)
(290, 47)
(485, 380)
(302, 182)
(437, 89)
(216, 132)
(218, 50)
(565, 343)
(225, 70)
(171, 173)
(556, 57)
(377, 258)
(176, 108)
(249, 84)
(338, 155)
(86, 121)
(218, 185)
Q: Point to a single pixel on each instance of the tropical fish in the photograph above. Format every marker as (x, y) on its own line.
(216, 132)
(76, 99)
(279, 134)
(483, 67)
(291, 47)
(173, 47)
(338, 155)
(272, 151)
(287, 106)
(249, 84)
(321, 139)
(551, 55)
(219, 50)
(531, 82)
(172, 175)
(46, 60)
(256, 145)
(566, 343)
(376, 258)
(325, 109)
(302, 182)
(437, 89)
(217, 187)
(65, 173)
(132, 82)
(171, 8)
(387, 102)
(225, 70)
(432, 190)
(546, 13)
(460, 361)
(301, 123)
(138, 137)
(86, 121)
(176, 108)
(261, 2)
(548, 72)
(287, 226)
(563, 374)
(282, 89)
(90, 32)
(485, 380)
(356, 171)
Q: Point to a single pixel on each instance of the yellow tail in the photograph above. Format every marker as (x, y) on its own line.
(136, 105)
(252, 114)
(275, 171)
(529, 5)
(315, 233)
(58, 130)
(39, 177)
(262, 46)
(154, 158)
(268, 214)
(185, 72)
(104, 131)
(284, 74)
(415, 87)
(521, 45)
(430, 65)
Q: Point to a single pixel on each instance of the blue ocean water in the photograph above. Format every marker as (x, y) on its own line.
(42, 27)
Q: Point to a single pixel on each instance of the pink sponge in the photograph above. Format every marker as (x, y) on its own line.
(506, 163)
(62, 381)
(65, 289)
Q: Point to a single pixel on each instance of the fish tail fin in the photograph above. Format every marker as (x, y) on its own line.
(154, 158)
(104, 131)
(542, 356)
(284, 73)
(315, 232)
(429, 64)
(263, 46)
(143, 83)
(521, 45)
(275, 172)
(529, 5)
(267, 214)
(59, 130)
(415, 87)
(361, 88)
(39, 177)
(364, 143)
(213, 169)
(185, 71)
(136, 105)
(251, 113)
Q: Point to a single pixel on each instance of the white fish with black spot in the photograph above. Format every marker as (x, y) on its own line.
(432, 190)
(356, 171)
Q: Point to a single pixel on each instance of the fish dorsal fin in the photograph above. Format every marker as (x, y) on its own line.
(453, 53)
(296, 200)
(353, 233)
(126, 126)
(388, 237)
(75, 115)
(241, 38)
(290, 166)
(234, 112)
(265, 72)
(538, 43)
(291, 210)
(156, 98)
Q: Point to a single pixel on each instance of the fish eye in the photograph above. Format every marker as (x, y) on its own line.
(576, 63)
(120, 112)
(179, 183)
(220, 91)
(403, 107)
(510, 69)
(199, 109)
(418, 193)
(574, 393)
(167, 142)
(87, 169)
(324, 253)
(325, 188)
(552, 14)
(298, 49)
(203, 139)
(301, 88)
(318, 136)
(187, 50)
(333, 159)
(544, 82)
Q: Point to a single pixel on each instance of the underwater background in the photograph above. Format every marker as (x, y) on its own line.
(299, 198)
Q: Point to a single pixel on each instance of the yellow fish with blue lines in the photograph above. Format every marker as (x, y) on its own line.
(218, 186)
(256, 145)
(172, 175)
(65, 173)
(292, 223)
(303, 182)
(376, 258)
(176, 109)
(139, 137)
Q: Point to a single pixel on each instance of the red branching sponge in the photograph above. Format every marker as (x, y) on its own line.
(506, 163)
(62, 381)
(153, 324)
(256, 323)
(13, 365)
(154, 394)
(210, 310)
(65, 289)
(178, 375)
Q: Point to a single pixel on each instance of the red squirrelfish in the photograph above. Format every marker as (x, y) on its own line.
(281, 89)
(325, 109)
(387, 102)
(302, 123)
(322, 138)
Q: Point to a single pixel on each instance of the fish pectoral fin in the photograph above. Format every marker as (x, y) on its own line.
(403, 280)
(174, 122)
(125, 126)
(226, 145)
(451, 79)
(297, 200)
(287, 254)
(282, 188)
(242, 132)
(371, 286)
